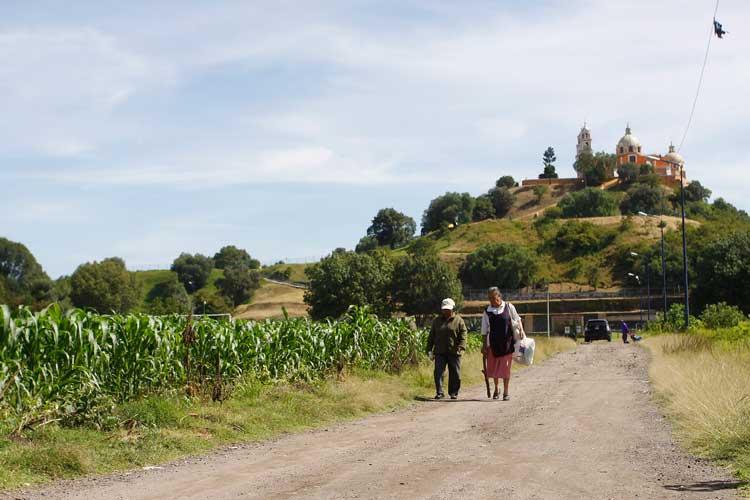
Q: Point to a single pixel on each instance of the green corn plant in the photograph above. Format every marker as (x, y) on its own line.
(72, 365)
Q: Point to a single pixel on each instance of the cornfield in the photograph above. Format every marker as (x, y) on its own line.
(71, 366)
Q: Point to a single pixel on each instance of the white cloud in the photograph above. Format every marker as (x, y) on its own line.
(59, 85)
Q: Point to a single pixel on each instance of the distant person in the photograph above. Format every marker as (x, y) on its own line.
(501, 328)
(625, 332)
(447, 342)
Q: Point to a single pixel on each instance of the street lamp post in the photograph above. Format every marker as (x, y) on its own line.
(640, 295)
(663, 270)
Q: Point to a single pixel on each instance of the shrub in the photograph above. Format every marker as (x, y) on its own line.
(576, 238)
(539, 192)
(506, 181)
(500, 264)
(645, 198)
(210, 303)
(366, 244)
(722, 315)
(589, 202)
(167, 297)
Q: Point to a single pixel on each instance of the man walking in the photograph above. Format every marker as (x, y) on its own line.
(447, 342)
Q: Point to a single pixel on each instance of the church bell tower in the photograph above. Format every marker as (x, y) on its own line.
(584, 141)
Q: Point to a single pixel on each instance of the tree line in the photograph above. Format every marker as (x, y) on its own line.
(108, 286)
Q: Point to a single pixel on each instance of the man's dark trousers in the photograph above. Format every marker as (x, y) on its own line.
(454, 373)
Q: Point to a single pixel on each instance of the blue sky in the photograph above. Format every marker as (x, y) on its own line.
(144, 129)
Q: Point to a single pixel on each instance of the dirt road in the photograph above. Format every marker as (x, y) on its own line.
(581, 425)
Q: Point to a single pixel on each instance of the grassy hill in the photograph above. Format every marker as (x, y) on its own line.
(150, 279)
(601, 268)
(527, 205)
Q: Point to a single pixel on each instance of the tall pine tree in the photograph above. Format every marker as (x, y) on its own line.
(549, 160)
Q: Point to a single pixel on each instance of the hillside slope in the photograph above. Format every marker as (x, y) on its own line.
(600, 269)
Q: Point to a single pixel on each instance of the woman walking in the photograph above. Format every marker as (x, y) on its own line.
(501, 328)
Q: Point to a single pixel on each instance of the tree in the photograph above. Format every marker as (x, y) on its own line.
(343, 279)
(210, 303)
(366, 244)
(193, 271)
(645, 198)
(392, 228)
(421, 282)
(25, 282)
(483, 209)
(500, 264)
(105, 286)
(167, 297)
(589, 202)
(230, 255)
(450, 208)
(723, 271)
(502, 200)
(238, 283)
(548, 159)
(695, 192)
(628, 172)
(539, 192)
(595, 169)
(506, 181)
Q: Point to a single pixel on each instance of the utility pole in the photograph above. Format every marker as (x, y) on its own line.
(648, 292)
(548, 319)
(684, 248)
(663, 271)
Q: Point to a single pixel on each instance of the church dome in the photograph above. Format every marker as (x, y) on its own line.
(673, 156)
(628, 143)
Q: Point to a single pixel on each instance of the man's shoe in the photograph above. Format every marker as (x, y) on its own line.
(454, 396)
(439, 396)
(506, 397)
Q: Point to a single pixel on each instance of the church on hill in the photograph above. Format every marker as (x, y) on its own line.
(630, 150)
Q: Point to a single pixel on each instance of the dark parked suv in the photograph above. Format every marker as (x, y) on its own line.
(597, 329)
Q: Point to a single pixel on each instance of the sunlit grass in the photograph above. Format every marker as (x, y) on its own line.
(705, 387)
(164, 427)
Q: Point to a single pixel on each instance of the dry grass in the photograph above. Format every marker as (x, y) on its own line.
(705, 388)
(269, 301)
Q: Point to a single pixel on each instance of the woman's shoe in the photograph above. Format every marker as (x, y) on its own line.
(506, 397)
(496, 395)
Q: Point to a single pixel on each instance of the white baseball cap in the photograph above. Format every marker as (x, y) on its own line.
(448, 304)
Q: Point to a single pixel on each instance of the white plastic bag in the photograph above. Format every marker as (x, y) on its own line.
(525, 351)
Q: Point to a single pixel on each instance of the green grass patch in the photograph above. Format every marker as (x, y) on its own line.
(165, 427)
